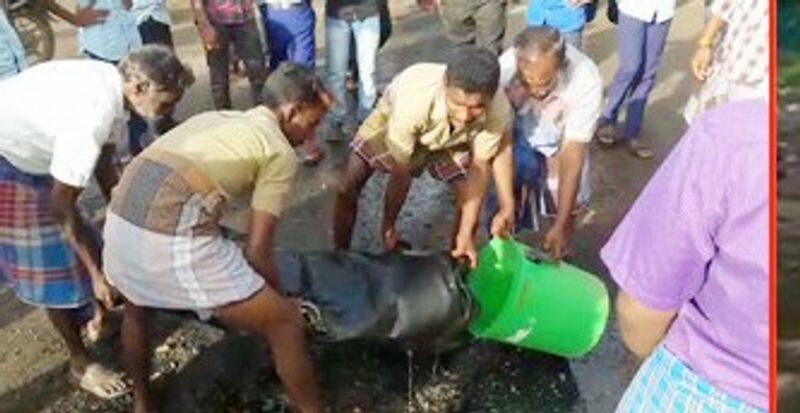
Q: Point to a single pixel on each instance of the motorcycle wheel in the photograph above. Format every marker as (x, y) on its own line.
(36, 34)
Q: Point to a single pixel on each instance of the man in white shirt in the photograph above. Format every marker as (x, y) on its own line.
(60, 122)
(556, 92)
(641, 35)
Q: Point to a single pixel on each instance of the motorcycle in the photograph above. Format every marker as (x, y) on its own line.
(32, 23)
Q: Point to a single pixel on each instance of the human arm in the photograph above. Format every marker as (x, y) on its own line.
(704, 52)
(503, 175)
(105, 172)
(208, 34)
(78, 233)
(259, 250)
(571, 158)
(471, 199)
(82, 17)
(640, 326)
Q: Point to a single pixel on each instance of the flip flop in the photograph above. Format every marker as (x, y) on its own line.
(606, 134)
(100, 382)
(640, 150)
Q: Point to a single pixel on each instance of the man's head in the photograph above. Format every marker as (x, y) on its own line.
(299, 98)
(471, 81)
(154, 80)
(541, 55)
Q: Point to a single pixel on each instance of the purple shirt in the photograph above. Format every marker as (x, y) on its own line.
(696, 241)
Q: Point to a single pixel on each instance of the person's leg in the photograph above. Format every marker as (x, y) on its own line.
(386, 22)
(630, 46)
(458, 21)
(337, 53)
(490, 24)
(351, 183)
(394, 198)
(655, 39)
(69, 330)
(367, 35)
(278, 35)
(303, 49)
(247, 44)
(279, 323)
(218, 60)
(136, 354)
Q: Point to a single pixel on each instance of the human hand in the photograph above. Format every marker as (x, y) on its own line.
(701, 62)
(89, 16)
(556, 241)
(465, 248)
(503, 223)
(209, 36)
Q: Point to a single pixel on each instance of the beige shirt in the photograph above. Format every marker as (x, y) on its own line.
(245, 154)
(412, 116)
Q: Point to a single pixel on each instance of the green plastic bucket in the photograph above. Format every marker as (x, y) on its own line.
(557, 309)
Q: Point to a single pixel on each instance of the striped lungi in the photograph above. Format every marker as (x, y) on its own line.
(36, 260)
(163, 246)
(665, 384)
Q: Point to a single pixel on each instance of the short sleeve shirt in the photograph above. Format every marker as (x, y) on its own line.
(112, 39)
(696, 241)
(245, 154)
(12, 53)
(571, 110)
(650, 11)
(412, 116)
(57, 116)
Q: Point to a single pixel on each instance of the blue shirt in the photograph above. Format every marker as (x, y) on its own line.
(115, 37)
(12, 54)
(557, 14)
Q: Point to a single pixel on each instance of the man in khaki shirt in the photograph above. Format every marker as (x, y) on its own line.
(449, 119)
(164, 247)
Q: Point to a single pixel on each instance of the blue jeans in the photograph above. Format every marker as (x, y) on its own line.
(337, 53)
(640, 45)
(290, 34)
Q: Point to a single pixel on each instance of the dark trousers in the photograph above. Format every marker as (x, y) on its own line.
(475, 22)
(154, 32)
(247, 45)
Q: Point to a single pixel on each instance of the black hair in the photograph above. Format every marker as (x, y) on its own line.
(473, 70)
(293, 83)
(157, 64)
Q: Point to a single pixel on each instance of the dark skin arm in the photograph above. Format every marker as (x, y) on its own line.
(208, 35)
(571, 159)
(82, 17)
(105, 172)
(503, 175)
(64, 198)
(260, 243)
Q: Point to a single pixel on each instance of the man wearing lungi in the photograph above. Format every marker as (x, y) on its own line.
(164, 243)
(60, 122)
(453, 121)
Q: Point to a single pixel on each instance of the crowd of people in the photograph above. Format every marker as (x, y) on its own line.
(511, 126)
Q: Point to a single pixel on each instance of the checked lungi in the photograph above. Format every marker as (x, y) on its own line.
(665, 384)
(36, 260)
(164, 247)
(445, 165)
